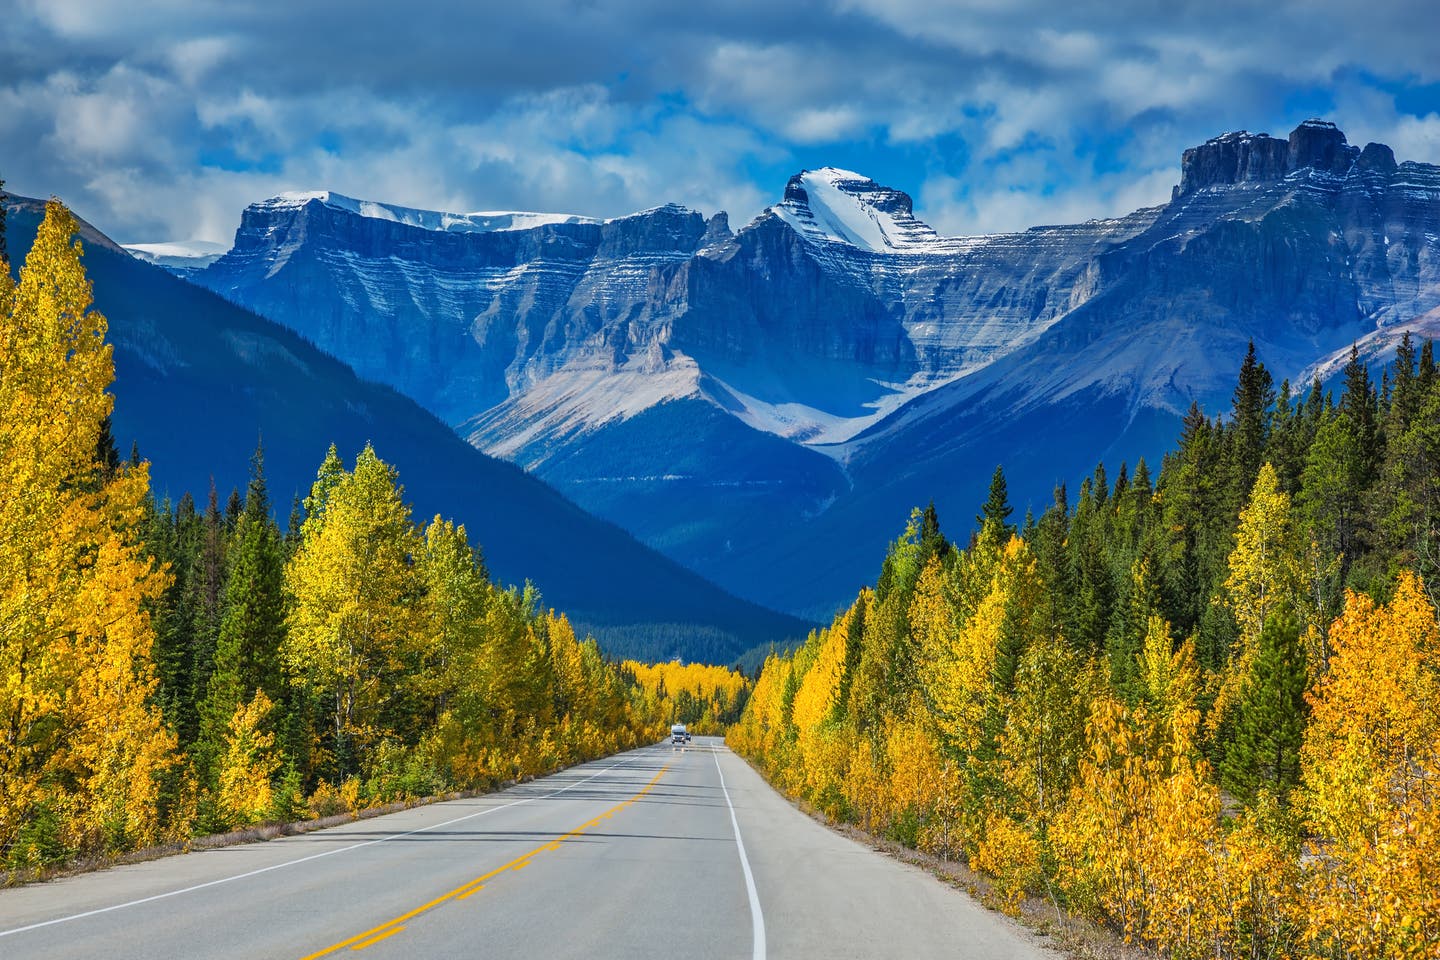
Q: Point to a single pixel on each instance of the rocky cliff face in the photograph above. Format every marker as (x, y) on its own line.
(458, 311)
(808, 378)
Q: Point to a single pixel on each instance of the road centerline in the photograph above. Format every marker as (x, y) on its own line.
(375, 934)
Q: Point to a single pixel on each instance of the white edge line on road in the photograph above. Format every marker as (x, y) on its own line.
(315, 856)
(757, 919)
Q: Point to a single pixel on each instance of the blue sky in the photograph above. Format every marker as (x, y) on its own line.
(161, 119)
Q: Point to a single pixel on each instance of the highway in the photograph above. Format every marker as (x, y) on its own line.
(664, 852)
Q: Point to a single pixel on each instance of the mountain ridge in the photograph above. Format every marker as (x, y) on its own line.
(841, 326)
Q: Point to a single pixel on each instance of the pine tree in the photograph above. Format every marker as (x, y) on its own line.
(1252, 399)
(252, 625)
(997, 509)
(1264, 752)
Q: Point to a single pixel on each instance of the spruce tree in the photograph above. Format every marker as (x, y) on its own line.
(997, 509)
(205, 586)
(1253, 397)
(252, 625)
(107, 456)
(1264, 753)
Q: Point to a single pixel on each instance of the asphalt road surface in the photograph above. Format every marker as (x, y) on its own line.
(682, 853)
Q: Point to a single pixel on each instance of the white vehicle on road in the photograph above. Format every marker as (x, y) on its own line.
(678, 734)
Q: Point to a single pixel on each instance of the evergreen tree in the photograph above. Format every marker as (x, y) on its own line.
(293, 526)
(1252, 400)
(997, 509)
(252, 624)
(205, 584)
(234, 506)
(107, 457)
(1264, 753)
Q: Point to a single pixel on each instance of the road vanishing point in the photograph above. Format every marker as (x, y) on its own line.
(675, 852)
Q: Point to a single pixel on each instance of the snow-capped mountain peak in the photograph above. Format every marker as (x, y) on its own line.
(831, 205)
(184, 258)
(483, 221)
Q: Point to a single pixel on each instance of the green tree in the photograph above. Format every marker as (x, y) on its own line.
(252, 625)
(997, 509)
(1264, 752)
(1250, 429)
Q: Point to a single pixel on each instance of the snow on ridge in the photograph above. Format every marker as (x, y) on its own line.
(179, 248)
(483, 221)
(822, 429)
(182, 254)
(841, 206)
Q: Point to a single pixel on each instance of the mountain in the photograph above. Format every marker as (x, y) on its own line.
(766, 405)
(198, 380)
(184, 258)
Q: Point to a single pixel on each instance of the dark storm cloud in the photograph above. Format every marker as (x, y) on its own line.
(162, 119)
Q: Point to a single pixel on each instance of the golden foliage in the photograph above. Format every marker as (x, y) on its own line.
(1369, 766)
(78, 733)
(1046, 778)
(249, 764)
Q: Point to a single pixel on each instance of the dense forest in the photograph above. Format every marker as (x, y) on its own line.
(1203, 707)
(172, 669)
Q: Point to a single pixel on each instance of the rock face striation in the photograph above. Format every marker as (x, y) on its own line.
(766, 405)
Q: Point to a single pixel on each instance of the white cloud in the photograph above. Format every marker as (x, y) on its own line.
(162, 118)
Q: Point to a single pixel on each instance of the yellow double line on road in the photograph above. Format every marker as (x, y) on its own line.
(388, 929)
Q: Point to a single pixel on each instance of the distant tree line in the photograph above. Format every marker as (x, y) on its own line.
(1203, 707)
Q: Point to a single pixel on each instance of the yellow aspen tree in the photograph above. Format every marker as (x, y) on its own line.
(453, 606)
(1264, 576)
(249, 764)
(78, 732)
(1367, 768)
(959, 659)
(1044, 737)
(817, 737)
(352, 622)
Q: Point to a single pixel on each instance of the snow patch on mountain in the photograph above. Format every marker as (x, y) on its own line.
(811, 425)
(831, 205)
(179, 255)
(582, 396)
(483, 221)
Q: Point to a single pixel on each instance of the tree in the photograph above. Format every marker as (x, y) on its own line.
(1264, 753)
(997, 509)
(1253, 397)
(252, 625)
(1367, 766)
(248, 764)
(453, 609)
(82, 746)
(351, 626)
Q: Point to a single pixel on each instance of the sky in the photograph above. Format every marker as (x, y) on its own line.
(161, 119)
